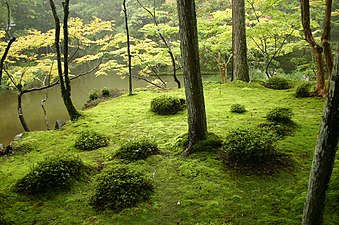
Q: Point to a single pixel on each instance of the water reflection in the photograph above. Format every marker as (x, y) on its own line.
(31, 104)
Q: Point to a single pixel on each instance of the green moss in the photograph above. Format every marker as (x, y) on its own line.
(196, 190)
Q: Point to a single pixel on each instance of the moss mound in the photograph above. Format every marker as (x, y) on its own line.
(252, 151)
(119, 188)
(137, 150)
(90, 140)
(51, 175)
(167, 105)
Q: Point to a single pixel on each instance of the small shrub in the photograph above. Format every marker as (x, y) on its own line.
(90, 140)
(119, 188)
(303, 90)
(50, 175)
(237, 108)
(280, 129)
(250, 145)
(167, 105)
(136, 150)
(105, 92)
(280, 115)
(94, 94)
(278, 83)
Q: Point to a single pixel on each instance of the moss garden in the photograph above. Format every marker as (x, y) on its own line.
(128, 168)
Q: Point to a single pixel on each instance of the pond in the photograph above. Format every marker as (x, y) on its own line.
(31, 103)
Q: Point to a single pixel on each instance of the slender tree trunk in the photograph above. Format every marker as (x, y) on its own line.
(326, 38)
(324, 154)
(72, 111)
(20, 113)
(239, 45)
(197, 125)
(169, 49)
(65, 84)
(317, 49)
(4, 56)
(130, 87)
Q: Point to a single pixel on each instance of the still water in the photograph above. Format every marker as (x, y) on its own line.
(31, 103)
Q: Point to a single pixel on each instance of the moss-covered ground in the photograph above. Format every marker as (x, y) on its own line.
(195, 190)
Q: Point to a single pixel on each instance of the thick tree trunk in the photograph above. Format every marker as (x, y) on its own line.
(240, 64)
(324, 155)
(130, 88)
(20, 113)
(197, 125)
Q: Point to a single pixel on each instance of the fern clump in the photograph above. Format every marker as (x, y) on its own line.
(137, 150)
(50, 175)
(167, 105)
(90, 140)
(121, 187)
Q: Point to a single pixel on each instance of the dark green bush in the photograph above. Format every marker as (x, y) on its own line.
(250, 145)
(279, 83)
(93, 95)
(237, 108)
(280, 115)
(119, 188)
(137, 149)
(50, 175)
(303, 90)
(105, 92)
(167, 105)
(90, 140)
(280, 129)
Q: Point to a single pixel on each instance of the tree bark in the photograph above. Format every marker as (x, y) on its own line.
(326, 38)
(197, 125)
(65, 83)
(4, 56)
(20, 113)
(239, 45)
(130, 87)
(317, 49)
(324, 154)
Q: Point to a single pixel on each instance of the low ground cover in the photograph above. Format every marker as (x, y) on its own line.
(198, 189)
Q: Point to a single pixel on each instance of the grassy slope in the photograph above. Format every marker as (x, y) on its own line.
(198, 190)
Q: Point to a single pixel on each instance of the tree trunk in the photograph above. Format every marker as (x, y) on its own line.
(317, 49)
(326, 38)
(73, 113)
(169, 49)
(20, 113)
(65, 83)
(130, 88)
(4, 56)
(324, 154)
(197, 125)
(240, 64)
